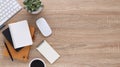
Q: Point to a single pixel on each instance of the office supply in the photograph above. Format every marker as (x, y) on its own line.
(8, 8)
(23, 54)
(20, 34)
(43, 27)
(48, 52)
(7, 35)
(37, 62)
(8, 51)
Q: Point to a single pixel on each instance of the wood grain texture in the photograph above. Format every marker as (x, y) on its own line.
(86, 33)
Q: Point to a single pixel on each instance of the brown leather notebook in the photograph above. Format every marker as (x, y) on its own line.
(23, 54)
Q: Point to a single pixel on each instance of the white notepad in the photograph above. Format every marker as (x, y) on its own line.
(20, 34)
(48, 52)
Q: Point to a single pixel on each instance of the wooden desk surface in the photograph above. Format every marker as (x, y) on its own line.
(86, 33)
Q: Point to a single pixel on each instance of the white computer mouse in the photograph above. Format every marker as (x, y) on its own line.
(44, 27)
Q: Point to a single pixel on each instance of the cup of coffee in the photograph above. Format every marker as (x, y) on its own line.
(36, 62)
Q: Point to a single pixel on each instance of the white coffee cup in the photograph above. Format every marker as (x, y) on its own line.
(36, 59)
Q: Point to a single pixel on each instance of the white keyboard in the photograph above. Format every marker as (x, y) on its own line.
(8, 8)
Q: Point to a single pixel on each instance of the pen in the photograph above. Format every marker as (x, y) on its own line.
(8, 52)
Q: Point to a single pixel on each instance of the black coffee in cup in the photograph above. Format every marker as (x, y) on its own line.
(37, 63)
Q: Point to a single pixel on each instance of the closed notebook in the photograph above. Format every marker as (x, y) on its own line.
(7, 36)
(20, 34)
(48, 52)
(23, 54)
